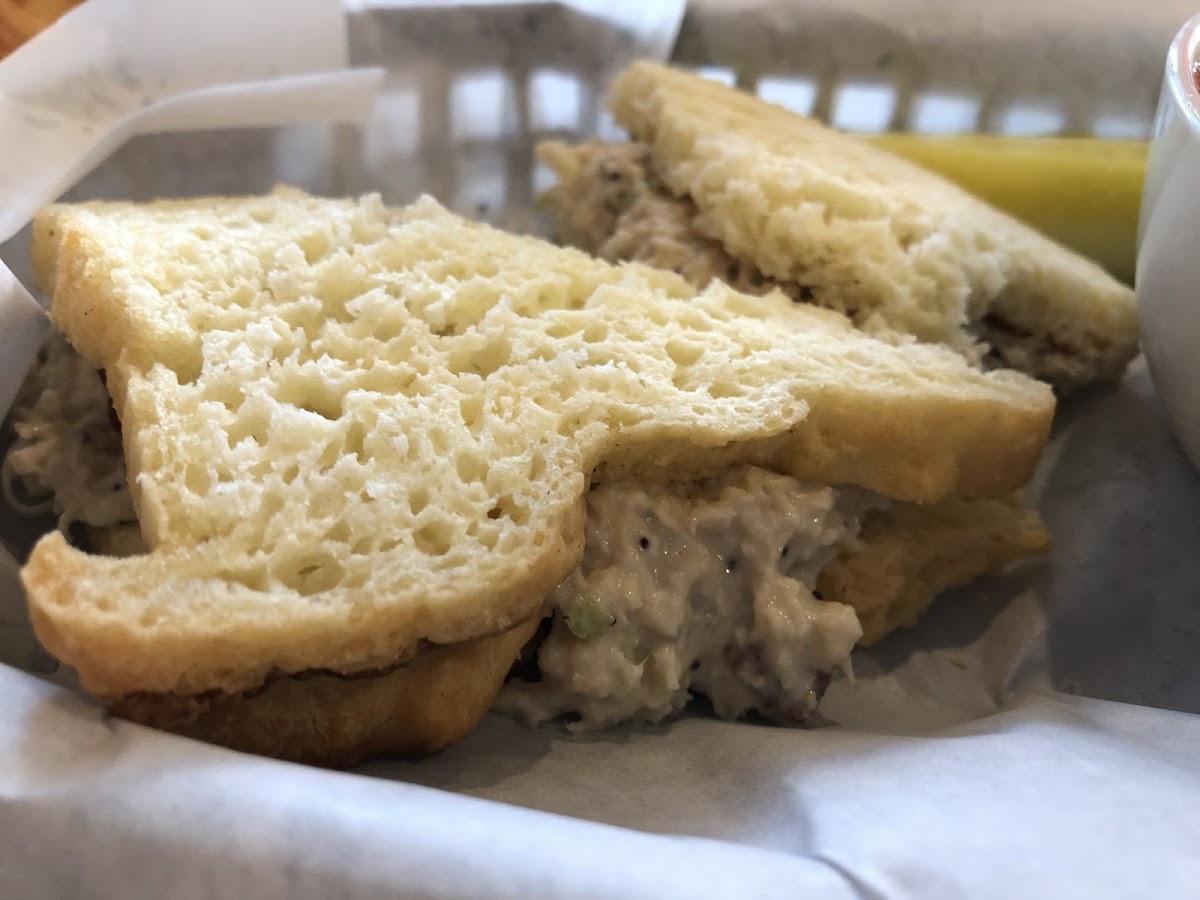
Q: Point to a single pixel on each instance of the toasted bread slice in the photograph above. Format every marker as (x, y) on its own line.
(324, 719)
(352, 432)
(907, 555)
(850, 227)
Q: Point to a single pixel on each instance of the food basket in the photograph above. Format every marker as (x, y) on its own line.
(1036, 731)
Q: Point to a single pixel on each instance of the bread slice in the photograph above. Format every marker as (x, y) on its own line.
(907, 555)
(853, 228)
(323, 719)
(352, 432)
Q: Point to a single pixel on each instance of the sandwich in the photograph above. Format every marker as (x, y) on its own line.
(379, 461)
(714, 183)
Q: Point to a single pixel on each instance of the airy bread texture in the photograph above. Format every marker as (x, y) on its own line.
(908, 554)
(352, 432)
(872, 235)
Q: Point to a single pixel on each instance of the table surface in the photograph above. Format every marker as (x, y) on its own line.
(22, 19)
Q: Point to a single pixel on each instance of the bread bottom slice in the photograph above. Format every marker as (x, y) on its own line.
(338, 721)
(908, 555)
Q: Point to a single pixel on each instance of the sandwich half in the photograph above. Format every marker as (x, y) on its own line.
(368, 450)
(715, 183)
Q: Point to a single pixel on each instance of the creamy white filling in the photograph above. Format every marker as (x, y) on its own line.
(66, 455)
(697, 588)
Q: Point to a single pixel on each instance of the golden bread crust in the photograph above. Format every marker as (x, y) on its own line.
(321, 719)
(909, 554)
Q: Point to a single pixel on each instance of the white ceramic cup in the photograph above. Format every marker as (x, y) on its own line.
(1168, 265)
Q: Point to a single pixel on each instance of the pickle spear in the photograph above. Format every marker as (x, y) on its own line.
(1083, 192)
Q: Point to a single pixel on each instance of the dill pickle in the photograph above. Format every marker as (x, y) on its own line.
(1082, 192)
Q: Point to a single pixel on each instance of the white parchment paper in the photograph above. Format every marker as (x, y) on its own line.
(1036, 734)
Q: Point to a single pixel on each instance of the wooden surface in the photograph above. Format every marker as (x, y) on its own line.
(22, 19)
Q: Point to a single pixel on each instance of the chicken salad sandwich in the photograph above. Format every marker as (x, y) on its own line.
(333, 479)
(714, 183)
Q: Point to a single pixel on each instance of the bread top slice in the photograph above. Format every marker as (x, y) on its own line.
(351, 431)
(873, 235)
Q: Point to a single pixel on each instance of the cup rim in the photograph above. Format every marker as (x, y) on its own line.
(1183, 60)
